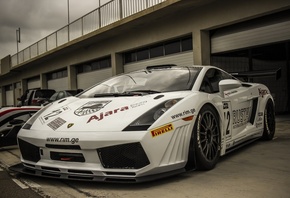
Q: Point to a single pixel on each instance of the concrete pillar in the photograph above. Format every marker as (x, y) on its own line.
(3, 96)
(201, 47)
(117, 64)
(43, 81)
(72, 77)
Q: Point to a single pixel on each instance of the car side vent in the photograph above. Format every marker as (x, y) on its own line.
(254, 110)
(62, 100)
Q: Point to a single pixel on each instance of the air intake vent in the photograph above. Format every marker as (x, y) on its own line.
(29, 151)
(69, 157)
(125, 156)
(71, 147)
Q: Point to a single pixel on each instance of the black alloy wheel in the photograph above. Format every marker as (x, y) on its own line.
(269, 121)
(207, 138)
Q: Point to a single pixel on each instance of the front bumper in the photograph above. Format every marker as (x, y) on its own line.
(126, 156)
(118, 157)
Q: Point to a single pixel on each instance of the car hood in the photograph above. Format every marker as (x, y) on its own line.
(106, 114)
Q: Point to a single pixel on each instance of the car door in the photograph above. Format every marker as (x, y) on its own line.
(236, 105)
(239, 112)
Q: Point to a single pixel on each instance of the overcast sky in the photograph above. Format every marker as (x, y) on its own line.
(37, 19)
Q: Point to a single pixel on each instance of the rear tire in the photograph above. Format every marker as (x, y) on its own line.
(207, 138)
(269, 121)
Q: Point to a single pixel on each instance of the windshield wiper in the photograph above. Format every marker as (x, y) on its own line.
(116, 94)
(145, 91)
(126, 93)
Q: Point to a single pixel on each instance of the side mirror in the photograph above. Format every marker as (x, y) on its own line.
(228, 84)
(16, 121)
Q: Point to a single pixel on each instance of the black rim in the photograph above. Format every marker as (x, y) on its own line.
(270, 118)
(209, 135)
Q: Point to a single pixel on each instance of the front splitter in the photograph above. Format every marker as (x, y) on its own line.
(20, 168)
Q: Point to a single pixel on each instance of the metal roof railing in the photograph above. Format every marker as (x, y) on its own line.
(104, 15)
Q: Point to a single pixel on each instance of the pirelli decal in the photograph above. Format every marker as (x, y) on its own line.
(162, 130)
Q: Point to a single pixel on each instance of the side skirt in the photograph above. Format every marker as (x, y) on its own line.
(241, 145)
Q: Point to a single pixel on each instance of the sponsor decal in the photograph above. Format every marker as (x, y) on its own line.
(91, 107)
(241, 117)
(225, 105)
(71, 140)
(229, 93)
(108, 113)
(55, 124)
(138, 104)
(262, 92)
(70, 125)
(228, 145)
(54, 113)
(162, 130)
(258, 124)
(184, 113)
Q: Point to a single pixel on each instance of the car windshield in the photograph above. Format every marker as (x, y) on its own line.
(146, 82)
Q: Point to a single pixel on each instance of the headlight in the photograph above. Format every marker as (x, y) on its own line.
(147, 119)
(29, 123)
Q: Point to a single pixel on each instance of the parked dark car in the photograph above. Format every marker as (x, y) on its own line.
(36, 97)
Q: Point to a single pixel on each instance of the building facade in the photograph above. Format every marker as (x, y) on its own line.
(240, 35)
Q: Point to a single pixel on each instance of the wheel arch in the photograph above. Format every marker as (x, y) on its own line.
(263, 103)
(265, 100)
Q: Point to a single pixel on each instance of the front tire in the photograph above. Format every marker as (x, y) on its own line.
(207, 138)
(269, 121)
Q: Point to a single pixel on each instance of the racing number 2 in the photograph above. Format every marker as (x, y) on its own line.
(227, 118)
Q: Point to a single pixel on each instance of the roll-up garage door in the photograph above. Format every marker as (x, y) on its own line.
(58, 84)
(228, 39)
(88, 79)
(185, 59)
(33, 83)
(9, 98)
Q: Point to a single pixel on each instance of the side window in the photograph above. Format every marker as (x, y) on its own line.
(211, 81)
(38, 94)
(226, 76)
(205, 86)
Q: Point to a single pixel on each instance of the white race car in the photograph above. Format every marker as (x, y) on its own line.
(145, 125)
